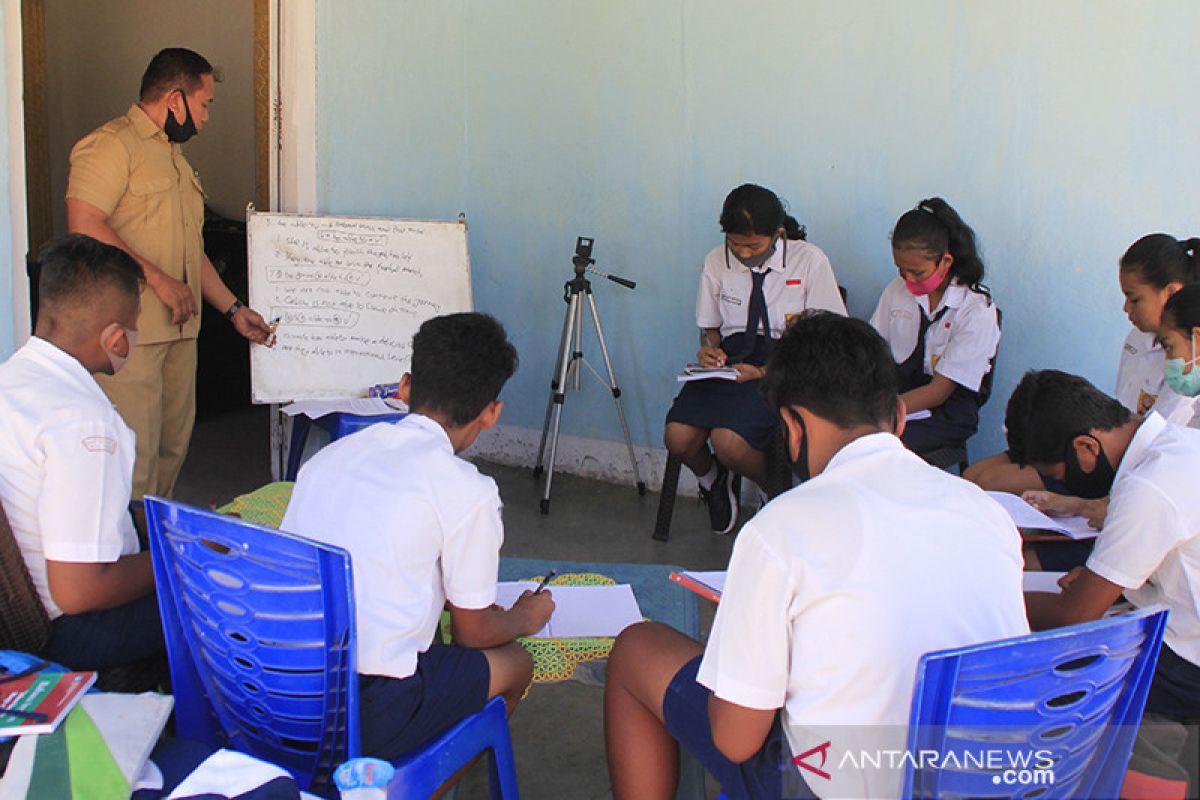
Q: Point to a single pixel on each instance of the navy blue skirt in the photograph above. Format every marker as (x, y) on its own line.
(739, 407)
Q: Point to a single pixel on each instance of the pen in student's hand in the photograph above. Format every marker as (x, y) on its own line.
(545, 581)
(273, 325)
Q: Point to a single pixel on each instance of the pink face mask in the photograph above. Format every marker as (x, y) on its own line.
(930, 284)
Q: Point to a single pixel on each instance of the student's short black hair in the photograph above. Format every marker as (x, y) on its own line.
(839, 368)
(75, 268)
(171, 69)
(1049, 408)
(460, 362)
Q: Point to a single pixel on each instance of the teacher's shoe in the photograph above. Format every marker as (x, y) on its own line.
(722, 501)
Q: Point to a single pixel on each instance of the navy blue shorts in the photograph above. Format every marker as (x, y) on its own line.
(763, 775)
(1175, 690)
(399, 715)
(109, 638)
(1063, 556)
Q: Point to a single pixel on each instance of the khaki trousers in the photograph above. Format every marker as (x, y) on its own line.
(155, 393)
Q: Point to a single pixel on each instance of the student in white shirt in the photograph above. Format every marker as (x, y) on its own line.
(1149, 548)
(1180, 335)
(1154, 268)
(941, 324)
(423, 529)
(66, 460)
(763, 275)
(834, 591)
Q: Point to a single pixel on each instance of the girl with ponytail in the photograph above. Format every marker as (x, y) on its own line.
(763, 274)
(941, 324)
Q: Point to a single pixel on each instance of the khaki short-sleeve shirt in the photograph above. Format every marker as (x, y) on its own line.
(154, 201)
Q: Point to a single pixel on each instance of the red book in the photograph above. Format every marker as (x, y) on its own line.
(37, 703)
(708, 585)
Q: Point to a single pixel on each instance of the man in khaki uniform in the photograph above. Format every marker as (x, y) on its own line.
(131, 187)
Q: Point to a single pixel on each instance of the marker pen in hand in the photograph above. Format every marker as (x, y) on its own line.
(545, 580)
(273, 325)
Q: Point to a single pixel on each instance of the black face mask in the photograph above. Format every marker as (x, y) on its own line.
(800, 465)
(1088, 485)
(180, 133)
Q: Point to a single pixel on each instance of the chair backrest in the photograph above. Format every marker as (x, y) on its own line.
(1063, 705)
(259, 627)
(24, 623)
(985, 385)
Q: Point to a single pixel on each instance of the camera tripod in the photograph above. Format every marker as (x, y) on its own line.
(570, 356)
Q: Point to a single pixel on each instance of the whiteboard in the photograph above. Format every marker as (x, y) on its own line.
(349, 293)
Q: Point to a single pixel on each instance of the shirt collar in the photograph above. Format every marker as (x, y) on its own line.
(56, 358)
(775, 262)
(953, 297)
(1139, 445)
(432, 426)
(862, 448)
(142, 124)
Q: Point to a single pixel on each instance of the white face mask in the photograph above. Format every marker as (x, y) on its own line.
(115, 359)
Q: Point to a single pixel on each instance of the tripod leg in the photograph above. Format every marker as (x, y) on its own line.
(559, 397)
(557, 380)
(616, 393)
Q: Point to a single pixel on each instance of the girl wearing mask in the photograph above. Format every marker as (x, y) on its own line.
(762, 274)
(941, 324)
(1180, 337)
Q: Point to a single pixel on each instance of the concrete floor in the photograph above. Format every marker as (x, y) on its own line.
(557, 733)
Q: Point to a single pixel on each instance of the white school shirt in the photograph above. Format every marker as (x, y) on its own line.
(1141, 385)
(1150, 542)
(837, 587)
(66, 464)
(959, 346)
(805, 281)
(422, 526)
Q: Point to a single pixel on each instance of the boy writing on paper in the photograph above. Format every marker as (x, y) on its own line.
(66, 460)
(834, 591)
(1149, 548)
(423, 529)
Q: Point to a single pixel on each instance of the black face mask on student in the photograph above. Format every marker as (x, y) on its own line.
(1088, 485)
(180, 133)
(800, 466)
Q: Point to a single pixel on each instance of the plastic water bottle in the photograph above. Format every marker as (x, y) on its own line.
(364, 779)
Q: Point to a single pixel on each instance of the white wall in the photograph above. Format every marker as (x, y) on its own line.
(1061, 130)
(96, 53)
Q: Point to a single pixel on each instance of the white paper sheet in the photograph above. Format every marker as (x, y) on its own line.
(362, 406)
(580, 610)
(924, 413)
(1042, 582)
(695, 372)
(713, 579)
(1026, 516)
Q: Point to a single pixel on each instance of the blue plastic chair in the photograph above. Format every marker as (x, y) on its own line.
(259, 626)
(1076, 692)
(337, 425)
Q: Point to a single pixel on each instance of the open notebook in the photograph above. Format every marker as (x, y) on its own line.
(1026, 516)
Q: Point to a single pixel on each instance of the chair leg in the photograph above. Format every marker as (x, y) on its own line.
(666, 500)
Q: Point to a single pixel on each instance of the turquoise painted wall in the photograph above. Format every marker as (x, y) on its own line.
(7, 332)
(1061, 131)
